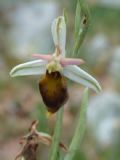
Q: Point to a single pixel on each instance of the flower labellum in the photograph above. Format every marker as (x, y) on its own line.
(53, 89)
(54, 68)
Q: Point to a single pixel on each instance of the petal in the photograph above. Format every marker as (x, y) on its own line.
(36, 67)
(71, 61)
(47, 57)
(59, 33)
(78, 75)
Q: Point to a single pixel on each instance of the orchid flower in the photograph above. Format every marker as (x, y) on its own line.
(53, 68)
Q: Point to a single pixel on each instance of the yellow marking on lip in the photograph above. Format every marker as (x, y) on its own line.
(49, 114)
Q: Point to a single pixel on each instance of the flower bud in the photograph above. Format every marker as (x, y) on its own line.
(59, 33)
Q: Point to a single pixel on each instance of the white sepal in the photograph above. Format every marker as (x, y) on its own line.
(59, 33)
(36, 67)
(78, 75)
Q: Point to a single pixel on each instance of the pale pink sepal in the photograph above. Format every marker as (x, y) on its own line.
(71, 61)
(47, 57)
(63, 61)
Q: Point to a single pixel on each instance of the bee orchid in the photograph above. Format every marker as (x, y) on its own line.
(54, 69)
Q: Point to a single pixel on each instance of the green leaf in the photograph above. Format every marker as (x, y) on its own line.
(80, 128)
(81, 24)
(77, 19)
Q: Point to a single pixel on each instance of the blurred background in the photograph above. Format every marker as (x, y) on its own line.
(25, 28)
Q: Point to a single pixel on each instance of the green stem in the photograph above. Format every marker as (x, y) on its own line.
(83, 17)
(80, 129)
(56, 137)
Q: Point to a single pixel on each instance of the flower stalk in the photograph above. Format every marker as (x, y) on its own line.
(56, 137)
